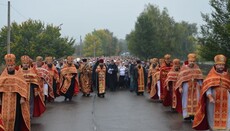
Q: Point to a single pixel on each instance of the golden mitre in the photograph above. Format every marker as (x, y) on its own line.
(176, 62)
(70, 59)
(10, 59)
(220, 59)
(167, 57)
(25, 59)
(49, 60)
(39, 58)
(192, 57)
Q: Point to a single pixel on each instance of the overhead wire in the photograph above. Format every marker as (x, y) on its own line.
(18, 12)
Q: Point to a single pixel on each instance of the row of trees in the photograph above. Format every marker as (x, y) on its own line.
(102, 43)
(156, 33)
(34, 38)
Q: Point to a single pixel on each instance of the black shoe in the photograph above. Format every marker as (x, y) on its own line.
(65, 99)
(88, 95)
(83, 95)
(173, 109)
(188, 118)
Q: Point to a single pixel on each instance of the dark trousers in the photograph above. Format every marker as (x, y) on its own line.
(121, 81)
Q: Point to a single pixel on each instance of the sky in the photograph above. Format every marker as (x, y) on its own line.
(79, 17)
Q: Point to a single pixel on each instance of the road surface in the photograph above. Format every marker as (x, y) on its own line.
(118, 111)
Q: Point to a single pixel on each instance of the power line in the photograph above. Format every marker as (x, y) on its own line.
(19, 12)
(15, 10)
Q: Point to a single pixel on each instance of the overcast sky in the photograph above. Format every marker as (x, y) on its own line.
(79, 17)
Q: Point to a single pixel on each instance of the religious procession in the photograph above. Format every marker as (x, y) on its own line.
(115, 65)
(27, 88)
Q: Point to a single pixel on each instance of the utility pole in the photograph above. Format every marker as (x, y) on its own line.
(8, 32)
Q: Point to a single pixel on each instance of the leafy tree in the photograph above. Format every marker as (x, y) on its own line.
(92, 46)
(33, 38)
(102, 42)
(216, 32)
(184, 39)
(156, 33)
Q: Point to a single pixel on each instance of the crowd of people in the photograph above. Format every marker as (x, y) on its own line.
(25, 89)
(203, 101)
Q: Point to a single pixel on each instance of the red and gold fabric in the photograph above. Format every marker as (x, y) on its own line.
(66, 77)
(53, 72)
(170, 99)
(140, 79)
(45, 78)
(54, 75)
(101, 79)
(1, 124)
(163, 75)
(32, 77)
(10, 85)
(85, 81)
(221, 84)
(190, 75)
(151, 73)
(153, 91)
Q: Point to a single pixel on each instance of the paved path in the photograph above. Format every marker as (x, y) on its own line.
(118, 111)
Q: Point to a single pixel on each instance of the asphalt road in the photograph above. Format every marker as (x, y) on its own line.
(118, 111)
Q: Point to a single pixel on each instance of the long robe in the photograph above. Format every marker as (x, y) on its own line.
(190, 80)
(94, 75)
(131, 72)
(170, 82)
(164, 70)
(55, 80)
(151, 73)
(45, 78)
(13, 88)
(101, 79)
(69, 82)
(37, 105)
(112, 77)
(85, 80)
(155, 85)
(140, 77)
(215, 116)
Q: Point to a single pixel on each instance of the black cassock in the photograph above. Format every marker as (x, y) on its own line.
(112, 77)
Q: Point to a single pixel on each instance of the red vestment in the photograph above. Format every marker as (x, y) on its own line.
(221, 84)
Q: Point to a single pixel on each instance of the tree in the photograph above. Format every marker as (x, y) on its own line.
(185, 41)
(92, 46)
(33, 38)
(156, 33)
(216, 32)
(102, 42)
